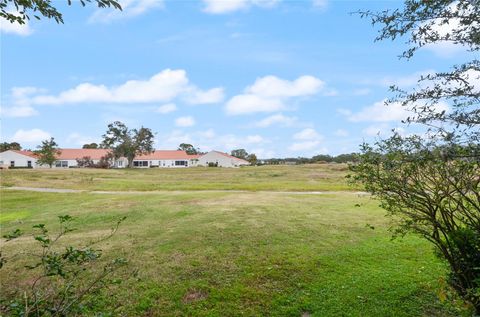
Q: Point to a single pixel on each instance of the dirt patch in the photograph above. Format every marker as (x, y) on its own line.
(194, 295)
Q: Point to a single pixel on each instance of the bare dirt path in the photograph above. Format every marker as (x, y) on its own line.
(61, 190)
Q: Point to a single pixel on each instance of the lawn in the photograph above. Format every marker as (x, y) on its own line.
(321, 177)
(238, 253)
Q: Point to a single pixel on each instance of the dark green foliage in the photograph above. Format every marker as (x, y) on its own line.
(252, 158)
(190, 149)
(90, 146)
(240, 153)
(25, 9)
(65, 277)
(5, 146)
(432, 190)
(47, 152)
(125, 142)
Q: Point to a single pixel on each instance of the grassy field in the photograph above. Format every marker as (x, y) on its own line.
(321, 177)
(236, 254)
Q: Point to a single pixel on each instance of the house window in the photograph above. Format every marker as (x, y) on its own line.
(140, 163)
(119, 163)
(29, 164)
(180, 163)
(61, 163)
(12, 163)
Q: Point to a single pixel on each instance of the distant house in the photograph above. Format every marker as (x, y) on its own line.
(165, 158)
(67, 158)
(220, 159)
(15, 158)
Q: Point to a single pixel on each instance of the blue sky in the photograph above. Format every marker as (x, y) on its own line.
(278, 78)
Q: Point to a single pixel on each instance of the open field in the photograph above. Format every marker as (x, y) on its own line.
(322, 177)
(235, 254)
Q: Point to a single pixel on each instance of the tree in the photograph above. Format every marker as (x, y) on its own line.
(25, 9)
(429, 23)
(431, 184)
(240, 153)
(90, 146)
(252, 158)
(128, 143)
(190, 149)
(47, 152)
(5, 146)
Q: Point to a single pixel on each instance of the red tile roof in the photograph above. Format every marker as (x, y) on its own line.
(26, 153)
(232, 157)
(166, 155)
(73, 154)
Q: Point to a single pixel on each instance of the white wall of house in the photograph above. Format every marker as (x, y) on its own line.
(67, 163)
(13, 159)
(176, 163)
(220, 160)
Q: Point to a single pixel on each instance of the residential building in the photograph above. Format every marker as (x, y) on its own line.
(67, 158)
(220, 159)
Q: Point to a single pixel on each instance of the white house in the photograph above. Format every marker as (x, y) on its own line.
(67, 158)
(220, 159)
(14, 158)
(166, 158)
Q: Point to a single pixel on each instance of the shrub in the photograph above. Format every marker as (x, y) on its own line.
(65, 278)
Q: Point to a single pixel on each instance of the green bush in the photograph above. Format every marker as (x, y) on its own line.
(65, 278)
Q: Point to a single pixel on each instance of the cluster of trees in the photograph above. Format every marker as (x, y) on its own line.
(5, 146)
(321, 158)
(244, 155)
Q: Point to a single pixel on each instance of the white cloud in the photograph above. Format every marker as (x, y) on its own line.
(166, 108)
(18, 111)
(208, 134)
(276, 119)
(269, 94)
(308, 140)
(30, 136)
(446, 28)
(229, 6)
(406, 81)
(271, 86)
(263, 153)
(78, 139)
(130, 9)
(253, 139)
(379, 112)
(341, 133)
(307, 134)
(185, 121)
(15, 28)
(162, 87)
(199, 97)
(304, 146)
(208, 140)
(245, 104)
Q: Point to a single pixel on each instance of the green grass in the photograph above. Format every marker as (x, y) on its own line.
(242, 254)
(320, 177)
